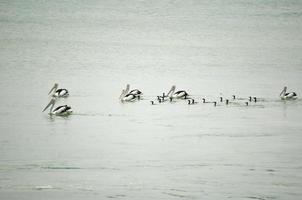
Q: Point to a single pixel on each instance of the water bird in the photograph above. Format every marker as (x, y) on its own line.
(127, 97)
(135, 91)
(178, 95)
(227, 102)
(287, 96)
(60, 110)
(215, 103)
(255, 99)
(234, 97)
(152, 102)
(204, 101)
(55, 92)
(221, 99)
(247, 103)
(192, 101)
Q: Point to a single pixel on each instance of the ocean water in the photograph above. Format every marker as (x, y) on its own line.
(113, 150)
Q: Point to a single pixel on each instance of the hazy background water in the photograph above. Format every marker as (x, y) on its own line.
(135, 150)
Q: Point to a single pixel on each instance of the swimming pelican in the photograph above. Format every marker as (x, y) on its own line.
(178, 95)
(135, 92)
(287, 96)
(58, 92)
(60, 110)
(127, 97)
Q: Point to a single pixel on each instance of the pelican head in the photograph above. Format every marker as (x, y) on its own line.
(127, 89)
(122, 94)
(283, 91)
(172, 90)
(51, 103)
(54, 88)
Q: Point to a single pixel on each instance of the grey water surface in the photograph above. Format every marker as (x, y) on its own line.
(111, 150)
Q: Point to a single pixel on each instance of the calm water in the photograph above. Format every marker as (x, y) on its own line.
(137, 151)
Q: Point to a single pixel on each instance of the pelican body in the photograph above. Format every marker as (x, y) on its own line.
(288, 96)
(177, 95)
(127, 97)
(135, 92)
(60, 110)
(55, 92)
(130, 96)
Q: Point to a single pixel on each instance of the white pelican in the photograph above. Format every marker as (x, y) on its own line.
(127, 97)
(287, 96)
(135, 92)
(55, 92)
(60, 110)
(178, 95)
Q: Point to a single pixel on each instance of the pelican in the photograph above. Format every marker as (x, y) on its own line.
(55, 92)
(127, 97)
(287, 96)
(135, 92)
(178, 95)
(60, 110)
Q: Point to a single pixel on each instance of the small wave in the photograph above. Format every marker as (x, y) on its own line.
(99, 114)
(60, 167)
(175, 195)
(116, 196)
(45, 187)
